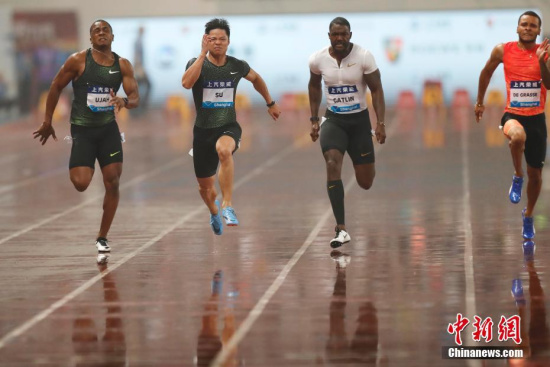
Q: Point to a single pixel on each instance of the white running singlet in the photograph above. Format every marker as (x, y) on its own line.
(344, 85)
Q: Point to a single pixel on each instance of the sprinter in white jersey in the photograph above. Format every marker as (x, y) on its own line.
(347, 71)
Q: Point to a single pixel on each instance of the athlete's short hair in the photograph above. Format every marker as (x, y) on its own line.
(532, 14)
(217, 23)
(100, 20)
(339, 21)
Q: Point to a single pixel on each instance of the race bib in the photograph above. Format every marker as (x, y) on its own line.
(525, 93)
(344, 98)
(98, 99)
(218, 94)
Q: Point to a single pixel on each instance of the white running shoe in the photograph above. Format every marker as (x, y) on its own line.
(340, 238)
(102, 245)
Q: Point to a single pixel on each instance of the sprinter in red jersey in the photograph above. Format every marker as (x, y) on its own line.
(527, 74)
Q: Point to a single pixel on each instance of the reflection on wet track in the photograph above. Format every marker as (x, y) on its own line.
(435, 236)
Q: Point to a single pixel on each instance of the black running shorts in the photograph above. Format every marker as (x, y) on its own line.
(90, 143)
(535, 130)
(349, 133)
(205, 156)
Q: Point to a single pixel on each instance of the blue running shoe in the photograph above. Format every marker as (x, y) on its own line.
(230, 216)
(529, 250)
(517, 292)
(216, 221)
(515, 189)
(528, 226)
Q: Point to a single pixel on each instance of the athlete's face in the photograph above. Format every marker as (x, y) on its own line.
(339, 36)
(101, 34)
(528, 28)
(218, 42)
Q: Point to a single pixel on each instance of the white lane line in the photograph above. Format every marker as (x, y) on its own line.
(9, 158)
(270, 162)
(467, 220)
(256, 312)
(32, 180)
(21, 329)
(93, 199)
(470, 292)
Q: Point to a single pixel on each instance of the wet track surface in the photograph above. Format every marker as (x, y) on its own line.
(435, 236)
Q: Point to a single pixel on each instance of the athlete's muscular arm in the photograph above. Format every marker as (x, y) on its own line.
(374, 83)
(544, 61)
(192, 74)
(71, 69)
(259, 84)
(130, 86)
(315, 94)
(485, 77)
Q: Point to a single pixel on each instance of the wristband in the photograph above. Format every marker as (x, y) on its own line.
(314, 119)
(270, 104)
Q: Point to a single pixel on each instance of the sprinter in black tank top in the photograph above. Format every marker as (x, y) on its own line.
(96, 74)
(213, 76)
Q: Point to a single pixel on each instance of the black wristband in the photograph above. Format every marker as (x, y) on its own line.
(270, 104)
(314, 119)
(125, 101)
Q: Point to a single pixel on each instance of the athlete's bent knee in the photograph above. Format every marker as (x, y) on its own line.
(365, 184)
(79, 184)
(81, 178)
(517, 136)
(517, 141)
(224, 154)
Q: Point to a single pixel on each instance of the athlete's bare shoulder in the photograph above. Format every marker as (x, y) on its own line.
(124, 60)
(496, 58)
(78, 56)
(76, 61)
(125, 66)
(497, 54)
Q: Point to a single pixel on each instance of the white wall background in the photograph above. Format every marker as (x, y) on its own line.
(419, 46)
(87, 11)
